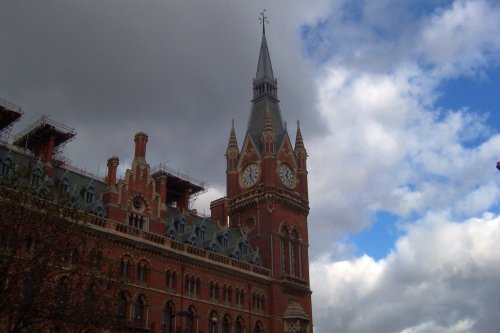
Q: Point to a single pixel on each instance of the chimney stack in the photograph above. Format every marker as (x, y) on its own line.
(141, 139)
(112, 166)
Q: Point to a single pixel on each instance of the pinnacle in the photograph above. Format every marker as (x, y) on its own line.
(232, 137)
(299, 142)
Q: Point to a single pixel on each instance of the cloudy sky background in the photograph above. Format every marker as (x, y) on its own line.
(399, 108)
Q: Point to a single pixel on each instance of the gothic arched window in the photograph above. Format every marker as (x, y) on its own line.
(142, 272)
(226, 324)
(258, 328)
(122, 307)
(239, 326)
(212, 322)
(168, 313)
(140, 311)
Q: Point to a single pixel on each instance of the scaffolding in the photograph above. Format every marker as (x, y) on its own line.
(178, 184)
(10, 113)
(40, 132)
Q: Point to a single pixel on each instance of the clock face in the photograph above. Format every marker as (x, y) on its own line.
(250, 175)
(286, 175)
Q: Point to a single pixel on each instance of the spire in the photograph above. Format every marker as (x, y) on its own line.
(299, 143)
(232, 151)
(300, 151)
(265, 95)
(264, 68)
(232, 137)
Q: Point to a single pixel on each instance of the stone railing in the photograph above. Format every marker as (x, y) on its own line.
(175, 245)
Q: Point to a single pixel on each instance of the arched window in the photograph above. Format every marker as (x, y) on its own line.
(168, 313)
(283, 249)
(171, 279)
(201, 232)
(212, 322)
(240, 297)
(122, 307)
(227, 294)
(6, 166)
(125, 268)
(296, 254)
(190, 320)
(61, 295)
(239, 326)
(142, 272)
(258, 327)
(140, 311)
(88, 194)
(226, 324)
(36, 176)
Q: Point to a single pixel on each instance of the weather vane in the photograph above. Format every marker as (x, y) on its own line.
(263, 19)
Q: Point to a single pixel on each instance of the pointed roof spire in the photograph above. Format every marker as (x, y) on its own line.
(232, 136)
(264, 68)
(299, 142)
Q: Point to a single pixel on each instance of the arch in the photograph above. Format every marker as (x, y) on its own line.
(6, 166)
(167, 325)
(123, 306)
(36, 176)
(143, 269)
(171, 279)
(213, 318)
(126, 267)
(140, 308)
(226, 324)
(88, 193)
(258, 327)
(192, 321)
(239, 325)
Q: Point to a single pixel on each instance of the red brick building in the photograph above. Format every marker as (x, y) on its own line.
(244, 269)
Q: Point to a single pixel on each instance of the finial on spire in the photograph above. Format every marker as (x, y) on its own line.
(263, 20)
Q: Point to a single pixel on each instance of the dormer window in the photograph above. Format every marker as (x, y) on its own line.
(88, 194)
(201, 232)
(66, 184)
(224, 239)
(6, 167)
(36, 177)
(180, 226)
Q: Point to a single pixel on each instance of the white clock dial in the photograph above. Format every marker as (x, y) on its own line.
(286, 175)
(250, 175)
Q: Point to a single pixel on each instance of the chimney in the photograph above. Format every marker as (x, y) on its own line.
(112, 166)
(141, 139)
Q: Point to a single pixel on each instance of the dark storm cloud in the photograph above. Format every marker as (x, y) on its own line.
(178, 70)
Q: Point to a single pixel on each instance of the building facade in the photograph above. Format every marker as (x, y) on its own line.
(244, 269)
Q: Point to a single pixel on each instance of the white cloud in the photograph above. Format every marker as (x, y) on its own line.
(442, 277)
(389, 148)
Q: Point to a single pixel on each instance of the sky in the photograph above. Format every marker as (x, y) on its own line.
(399, 109)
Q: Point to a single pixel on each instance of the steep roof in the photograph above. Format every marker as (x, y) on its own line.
(265, 98)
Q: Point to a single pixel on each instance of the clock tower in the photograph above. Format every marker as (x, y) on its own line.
(267, 198)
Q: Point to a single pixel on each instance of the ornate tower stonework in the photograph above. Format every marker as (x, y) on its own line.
(267, 198)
